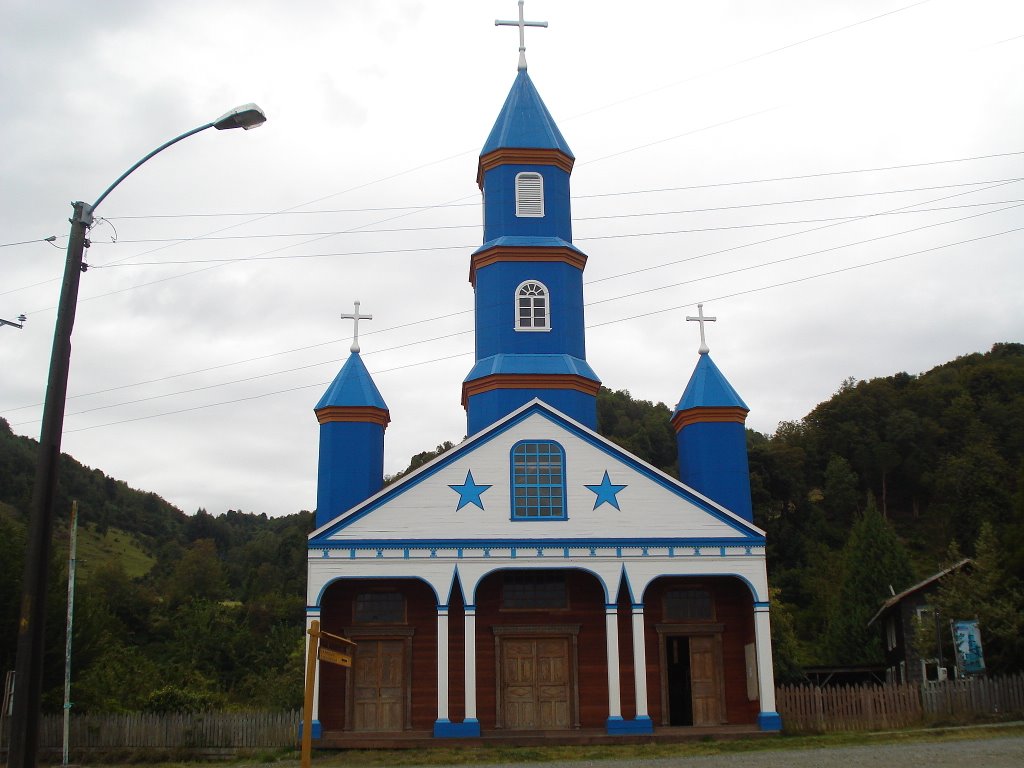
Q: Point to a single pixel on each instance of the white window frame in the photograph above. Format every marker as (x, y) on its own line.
(546, 295)
(529, 195)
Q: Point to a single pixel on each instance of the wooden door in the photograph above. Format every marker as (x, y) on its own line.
(536, 683)
(705, 676)
(379, 690)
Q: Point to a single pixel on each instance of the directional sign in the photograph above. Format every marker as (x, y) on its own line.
(335, 657)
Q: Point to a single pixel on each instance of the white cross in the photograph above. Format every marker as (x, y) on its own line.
(522, 32)
(356, 317)
(701, 319)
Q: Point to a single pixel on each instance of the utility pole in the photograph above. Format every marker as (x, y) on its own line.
(72, 548)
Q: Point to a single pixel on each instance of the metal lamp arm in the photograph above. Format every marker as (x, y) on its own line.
(156, 151)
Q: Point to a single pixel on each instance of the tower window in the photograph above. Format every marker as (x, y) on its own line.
(538, 480)
(529, 195)
(532, 307)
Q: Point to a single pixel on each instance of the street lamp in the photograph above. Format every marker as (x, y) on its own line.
(24, 741)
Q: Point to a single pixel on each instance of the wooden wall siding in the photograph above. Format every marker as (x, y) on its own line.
(734, 610)
(586, 608)
(421, 617)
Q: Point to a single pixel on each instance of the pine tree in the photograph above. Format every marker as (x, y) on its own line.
(874, 561)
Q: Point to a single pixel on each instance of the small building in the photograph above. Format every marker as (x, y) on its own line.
(897, 619)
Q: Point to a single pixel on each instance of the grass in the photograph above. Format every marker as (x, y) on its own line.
(485, 755)
(94, 549)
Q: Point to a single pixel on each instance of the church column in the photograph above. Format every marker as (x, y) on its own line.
(611, 623)
(470, 655)
(640, 664)
(442, 666)
(768, 719)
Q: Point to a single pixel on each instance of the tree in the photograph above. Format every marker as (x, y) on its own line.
(987, 592)
(874, 563)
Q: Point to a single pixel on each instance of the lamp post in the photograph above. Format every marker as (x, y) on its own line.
(24, 740)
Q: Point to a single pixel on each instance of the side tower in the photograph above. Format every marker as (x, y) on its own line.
(527, 275)
(353, 417)
(711, 435)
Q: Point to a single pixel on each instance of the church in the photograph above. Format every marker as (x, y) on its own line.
(536, 578)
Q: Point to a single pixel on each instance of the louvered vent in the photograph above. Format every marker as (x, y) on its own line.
(529, 195)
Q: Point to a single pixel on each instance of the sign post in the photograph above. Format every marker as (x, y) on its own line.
(329, 655)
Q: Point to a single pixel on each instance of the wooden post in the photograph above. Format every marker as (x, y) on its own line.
(307, 707)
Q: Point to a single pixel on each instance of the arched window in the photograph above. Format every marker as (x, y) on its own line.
(538, 480)
(529, 195)
(532, 307)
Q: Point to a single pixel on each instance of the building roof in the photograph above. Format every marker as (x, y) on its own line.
(708, 388)
(353, 386)
(524, 122)
(898, 598)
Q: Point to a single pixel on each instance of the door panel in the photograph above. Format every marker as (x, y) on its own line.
(378, 694)
(536, 684)
(704, 676)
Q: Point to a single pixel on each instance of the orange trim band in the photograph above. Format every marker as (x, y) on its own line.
(499, 253)
(522, 156)
(353, 413)
(528, 381)
(708, 415)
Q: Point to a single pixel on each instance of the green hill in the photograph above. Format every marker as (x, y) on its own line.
(868, 490)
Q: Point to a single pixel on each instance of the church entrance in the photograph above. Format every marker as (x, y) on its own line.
(379, 689)
(692, 680)
(536, 683)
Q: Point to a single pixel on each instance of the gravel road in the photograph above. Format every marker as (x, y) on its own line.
(981, 753)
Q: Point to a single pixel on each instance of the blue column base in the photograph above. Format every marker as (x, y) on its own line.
(316, 731)
(616, 726)
(467, 729)
(769, 721)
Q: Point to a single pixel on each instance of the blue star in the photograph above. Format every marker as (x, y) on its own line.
(606, 492)
(469, 492)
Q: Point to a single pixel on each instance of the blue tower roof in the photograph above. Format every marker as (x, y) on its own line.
(524, 122)
(708, 388)
(352, 387)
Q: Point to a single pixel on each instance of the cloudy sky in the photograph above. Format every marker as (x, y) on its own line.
(841, 183)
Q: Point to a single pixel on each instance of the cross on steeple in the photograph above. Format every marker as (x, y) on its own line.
(522, 32)
(356, 317)
(701, 319)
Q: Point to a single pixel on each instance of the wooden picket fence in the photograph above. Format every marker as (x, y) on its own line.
(874, 707)
(992, 695)
(208, 732)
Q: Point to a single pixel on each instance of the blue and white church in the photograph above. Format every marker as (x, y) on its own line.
(536, 579)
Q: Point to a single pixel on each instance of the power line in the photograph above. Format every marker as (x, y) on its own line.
(789, 222)
(417, 208)
(629, 318)
(588, 304)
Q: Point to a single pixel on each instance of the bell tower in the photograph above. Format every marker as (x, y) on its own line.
(527, 276)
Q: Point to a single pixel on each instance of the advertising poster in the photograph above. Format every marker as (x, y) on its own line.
(967, 641)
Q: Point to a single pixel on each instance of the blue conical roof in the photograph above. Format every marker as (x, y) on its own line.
(524, 122)
(353, 386)
(708, 388)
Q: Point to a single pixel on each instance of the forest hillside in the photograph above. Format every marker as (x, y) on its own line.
(877, 487)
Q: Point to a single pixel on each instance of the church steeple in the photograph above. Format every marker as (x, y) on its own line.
(353, 417)
(527, 275)
(711, 437)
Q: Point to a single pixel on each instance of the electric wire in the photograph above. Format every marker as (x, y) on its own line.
(630, 318)
(737, 270)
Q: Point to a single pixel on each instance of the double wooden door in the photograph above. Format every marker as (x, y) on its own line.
(379, 686)
(536, 684)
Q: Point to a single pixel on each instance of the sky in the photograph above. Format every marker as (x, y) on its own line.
(841, 184)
